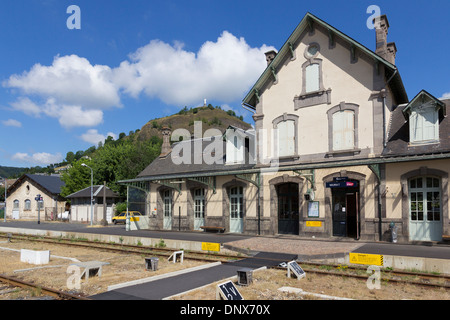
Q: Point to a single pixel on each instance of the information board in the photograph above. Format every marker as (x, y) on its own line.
(228, 291)
(313, 209)
(296, 269)
(313, 223)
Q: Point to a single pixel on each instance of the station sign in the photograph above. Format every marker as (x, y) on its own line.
(342, 184)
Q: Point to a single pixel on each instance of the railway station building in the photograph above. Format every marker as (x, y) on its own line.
(338, 150)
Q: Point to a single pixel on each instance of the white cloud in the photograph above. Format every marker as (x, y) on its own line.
(94, 137)
(68, 116)
(27, 106)
(75, 116)
(222, 70)
(70, 80)
(12, 123)
(77, 92)
(42, 158)
(445, 96)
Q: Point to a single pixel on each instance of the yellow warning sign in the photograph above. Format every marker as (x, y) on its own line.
(208, 246)
(365, 258)
(313, 223)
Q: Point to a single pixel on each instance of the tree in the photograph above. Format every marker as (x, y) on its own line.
(70, 156)
(115, 161)
(76, 178)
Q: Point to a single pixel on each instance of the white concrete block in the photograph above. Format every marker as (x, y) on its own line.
(35, 257)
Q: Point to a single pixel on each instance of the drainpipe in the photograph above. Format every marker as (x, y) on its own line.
(384, 107)
(259, 204)
(380, 233)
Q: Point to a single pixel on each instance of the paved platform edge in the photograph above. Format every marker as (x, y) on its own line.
(425, 264)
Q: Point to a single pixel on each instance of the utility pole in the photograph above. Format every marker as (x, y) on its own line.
(104, 222)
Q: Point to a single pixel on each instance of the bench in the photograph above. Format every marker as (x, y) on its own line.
(90, 268)
(211, 228)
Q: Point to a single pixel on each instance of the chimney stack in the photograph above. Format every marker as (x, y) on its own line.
(384, 49)
(165, 148)
(270, 55)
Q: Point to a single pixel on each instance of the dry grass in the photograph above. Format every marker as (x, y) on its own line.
(267, 282)
(127, 267)
(121, 268)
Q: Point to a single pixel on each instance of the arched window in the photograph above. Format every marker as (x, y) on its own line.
(286, 135)
(344, 130)
(425, 208)
(27, 204)
(286, 138)
(312, 78)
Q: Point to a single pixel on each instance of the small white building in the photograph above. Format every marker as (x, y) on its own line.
(81, 204)
(22, 195)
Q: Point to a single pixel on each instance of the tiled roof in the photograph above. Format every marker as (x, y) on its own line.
(165, 166)
(53, 184)
(97, 192)
(398, 140)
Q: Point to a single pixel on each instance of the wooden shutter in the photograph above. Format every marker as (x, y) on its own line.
(429, 126)
(286, 138)
(312, 78)
(344, 130)
(424, 125)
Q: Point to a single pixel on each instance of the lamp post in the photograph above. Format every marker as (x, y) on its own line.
(4, 210)
(92, 190)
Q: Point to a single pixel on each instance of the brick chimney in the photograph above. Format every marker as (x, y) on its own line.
(165, 148)
(384, 49)
(270, 55)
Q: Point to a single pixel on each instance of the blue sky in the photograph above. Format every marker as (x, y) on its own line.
(132, 61)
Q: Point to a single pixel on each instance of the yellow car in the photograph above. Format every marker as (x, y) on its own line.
(122, 217)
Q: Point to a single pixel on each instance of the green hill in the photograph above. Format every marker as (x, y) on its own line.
(11, 172)
(149, 136)
(211, 117)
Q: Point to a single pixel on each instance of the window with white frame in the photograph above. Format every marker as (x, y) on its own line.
(424, 125)
(235, 147)
(344, 130)
(312, 78)
(27, 204)
(286, 138)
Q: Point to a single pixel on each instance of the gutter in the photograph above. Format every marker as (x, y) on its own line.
(378, 187)
(317, 165)
(384, 107)
(248, 107)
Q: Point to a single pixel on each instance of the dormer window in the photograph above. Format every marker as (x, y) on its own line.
(423, 114)
(235, 147)
(424, 125)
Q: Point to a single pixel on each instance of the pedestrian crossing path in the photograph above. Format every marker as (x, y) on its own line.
(163, 288)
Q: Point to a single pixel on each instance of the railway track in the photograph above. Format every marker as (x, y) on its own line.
(60, 295)
(393, 276)
(126, 248)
